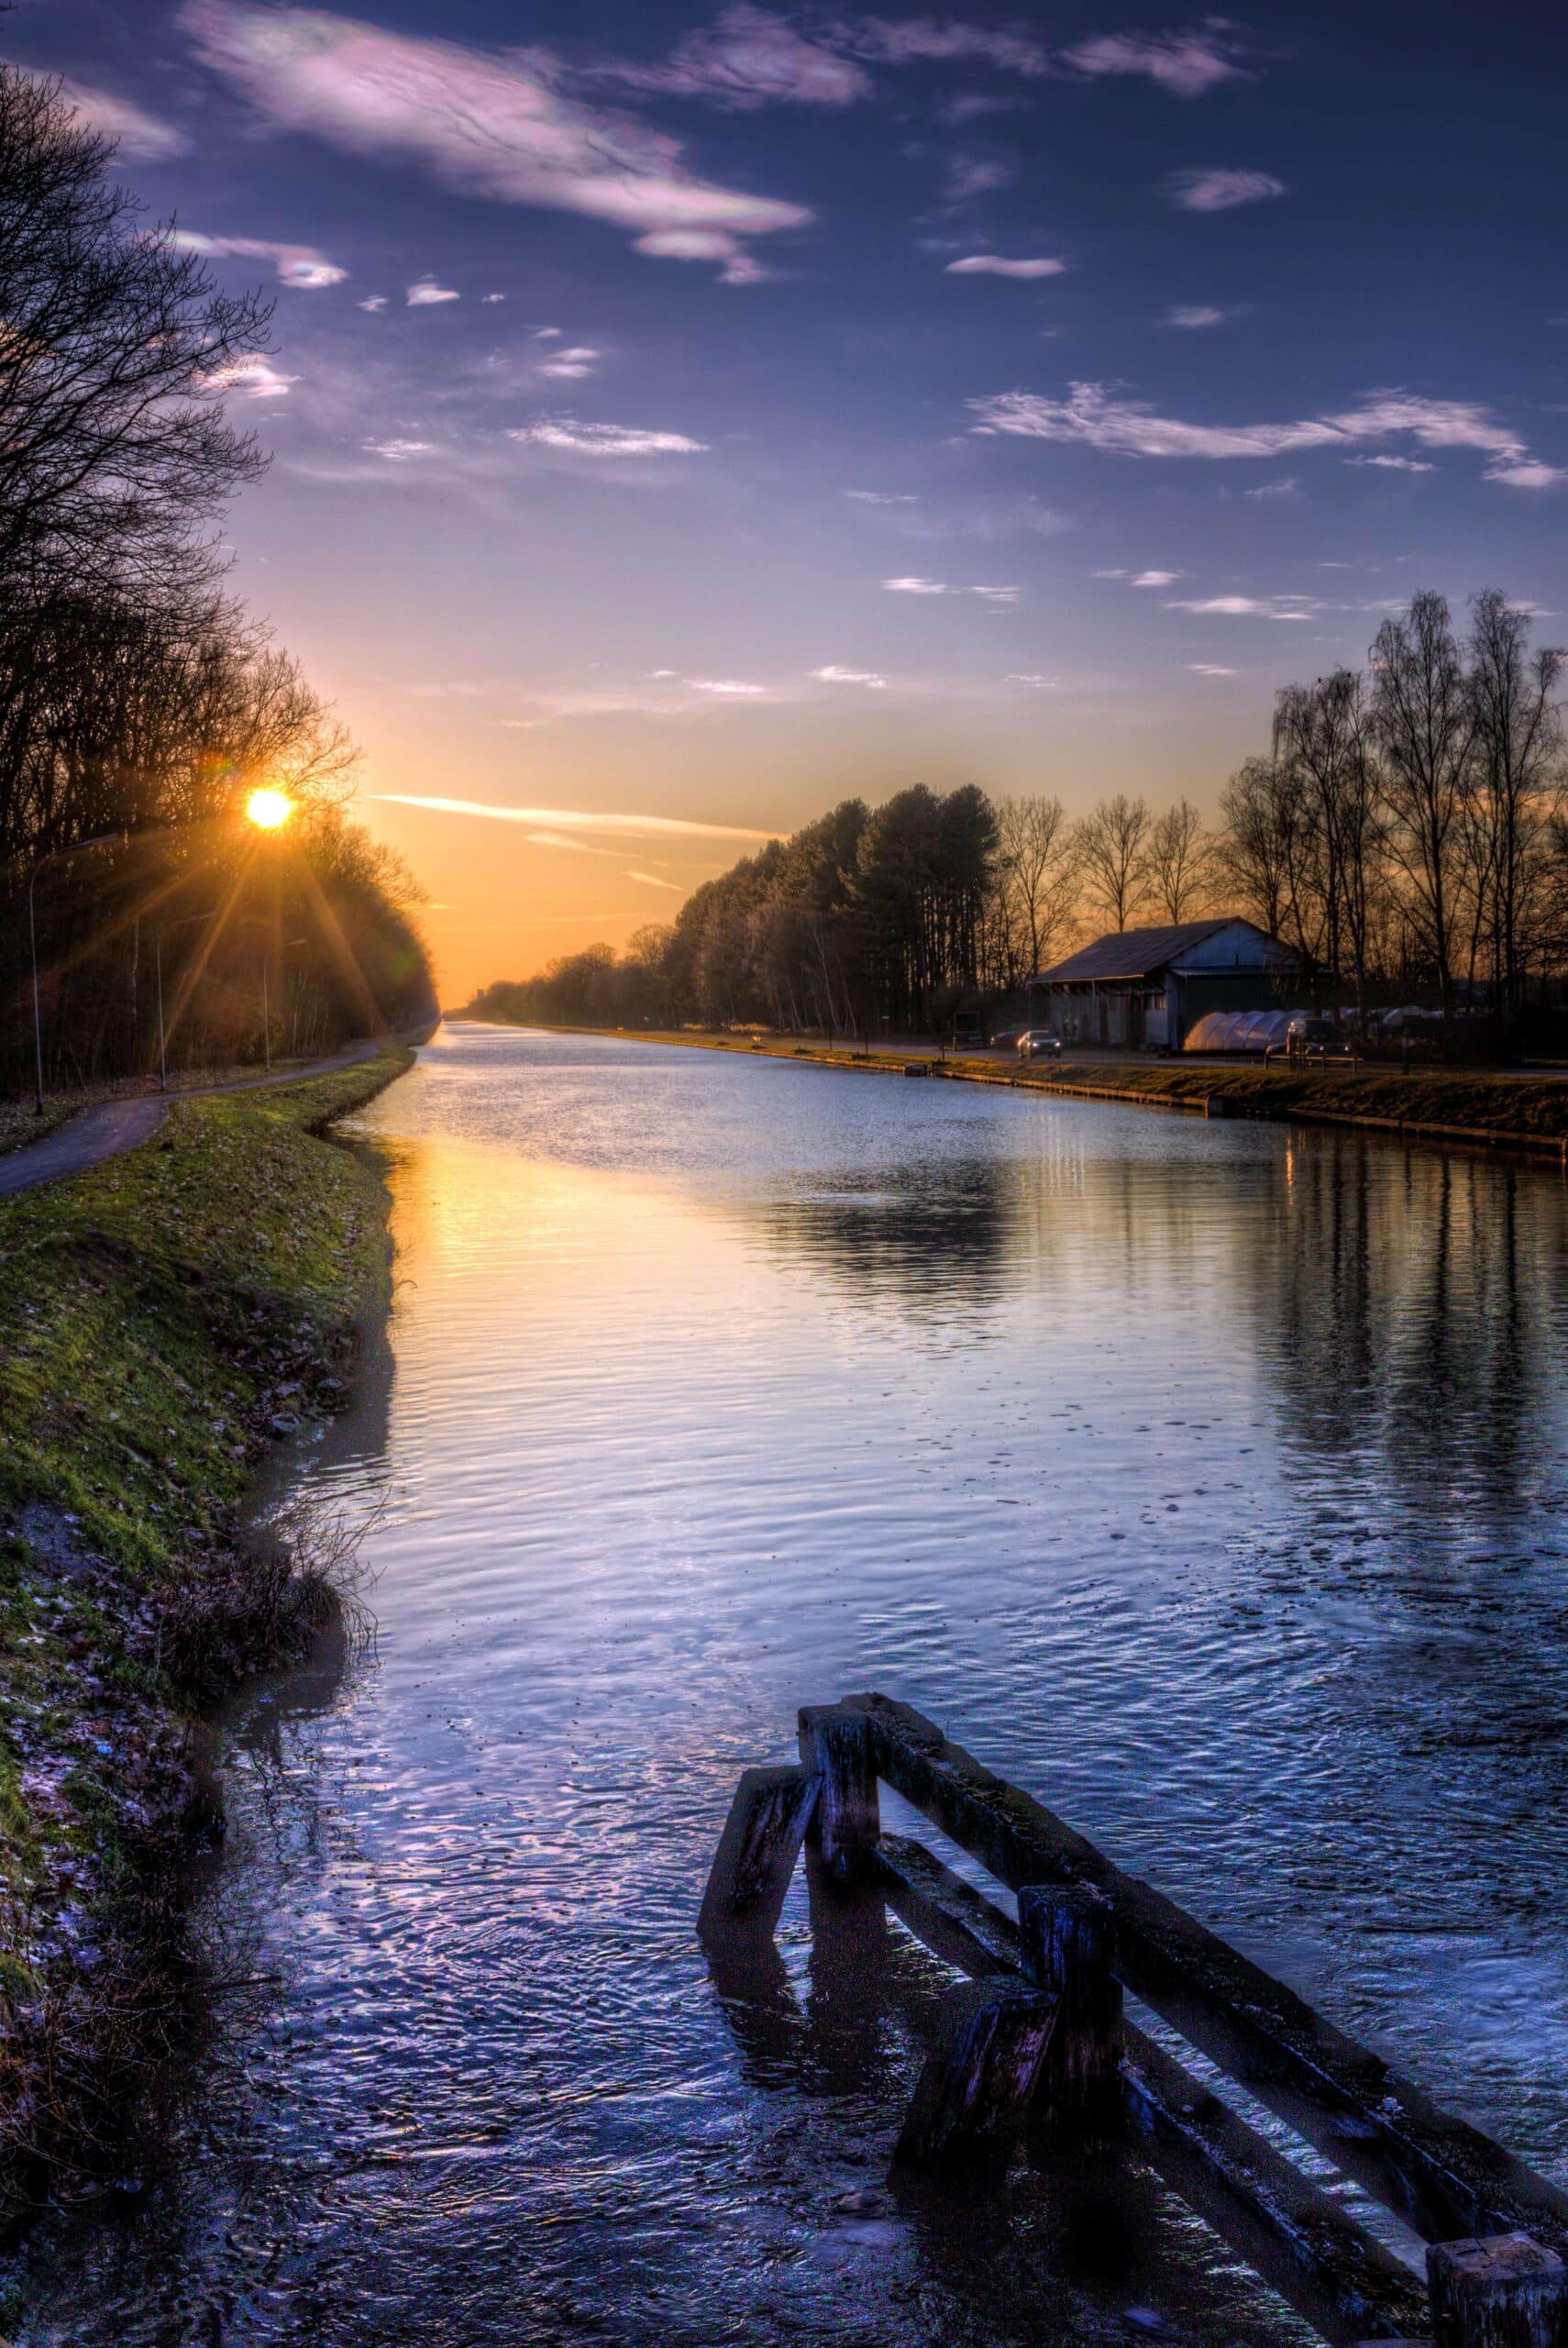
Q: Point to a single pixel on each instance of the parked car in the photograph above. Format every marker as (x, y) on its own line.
(1039, 1044)
(1005, 1039)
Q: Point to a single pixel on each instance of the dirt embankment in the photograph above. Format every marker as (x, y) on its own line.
(162, 1319)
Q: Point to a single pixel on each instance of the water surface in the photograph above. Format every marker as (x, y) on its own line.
(1208, 1480)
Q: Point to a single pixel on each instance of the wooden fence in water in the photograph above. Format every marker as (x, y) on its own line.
(1036, 2043)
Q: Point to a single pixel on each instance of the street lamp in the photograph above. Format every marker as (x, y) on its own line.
(99, 839)
(187, 923)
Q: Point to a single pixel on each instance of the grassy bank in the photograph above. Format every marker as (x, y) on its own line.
(1528, 1111)
(162, 1318)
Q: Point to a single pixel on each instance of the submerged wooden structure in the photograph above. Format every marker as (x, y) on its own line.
(1035, 2044)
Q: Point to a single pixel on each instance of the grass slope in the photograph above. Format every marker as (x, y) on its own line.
(161, 1317)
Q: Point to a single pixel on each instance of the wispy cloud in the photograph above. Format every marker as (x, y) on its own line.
(881, 497)
(994, 265)
(1287, 486)
(1187, 64)
(1098, 416)
(1208, 669)
(297, 265)
(1151, 578)
(569, 819)
(1396, 464)
(427, 294)
(750, 58)
(571, 364)
(916, 41)
(139, 137)
(726, 688)
(253, 378)
(1526, 472)
(1192, 316)
(399, 452)
(917, 586)
(651, 881)
(1257, 607)
(1220, 191)
(969, 176)
(373, 302)
(834, 675)
(492, 126)
(605, 439)
(1030, 677)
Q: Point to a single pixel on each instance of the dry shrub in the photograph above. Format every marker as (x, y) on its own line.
(261, 1603)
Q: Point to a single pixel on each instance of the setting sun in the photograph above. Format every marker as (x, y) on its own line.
(269, 809)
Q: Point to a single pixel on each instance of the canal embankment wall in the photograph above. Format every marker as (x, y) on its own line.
(163, 1319)
(1454, 1108)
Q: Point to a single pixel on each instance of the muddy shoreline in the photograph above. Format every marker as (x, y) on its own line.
(168, 1321)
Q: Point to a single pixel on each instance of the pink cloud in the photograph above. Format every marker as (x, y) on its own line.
(751, 58)
(298, 265)
(1096, 415)
(914, 40)
(1185, 64)
(993, 265)
(1220, 191)
(487, 123)
(138, 137)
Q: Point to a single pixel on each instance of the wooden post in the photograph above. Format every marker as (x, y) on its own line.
(1065, 1934)
(757, 1849)
(835, 1745)
(978, 2083)
(1501, 2291)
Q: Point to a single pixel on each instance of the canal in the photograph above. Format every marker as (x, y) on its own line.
(1208, 1480)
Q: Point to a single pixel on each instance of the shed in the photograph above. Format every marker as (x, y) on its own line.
(1144, 989)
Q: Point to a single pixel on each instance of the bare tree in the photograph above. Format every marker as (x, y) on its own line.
(1516, 791)
(114, 353)
(1180, 861)
(1425, 721)
(1037, 869)
(1112, 849)
(1255, 849)
(1324, 753)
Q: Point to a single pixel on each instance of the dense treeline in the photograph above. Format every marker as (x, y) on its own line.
(1406, 830)
(139, 707)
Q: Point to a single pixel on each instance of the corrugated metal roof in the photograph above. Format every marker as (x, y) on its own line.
(1136, 953)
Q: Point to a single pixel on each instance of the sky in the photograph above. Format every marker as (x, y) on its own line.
(684, 416)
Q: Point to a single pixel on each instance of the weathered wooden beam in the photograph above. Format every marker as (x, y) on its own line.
(941, 1910)
(1503, 2292)
(836, 1748)
(1443, 2177)
(978, 2082)
(1066, 1933)
(757, 1850)
(1273, 2215)
(1302, 2240)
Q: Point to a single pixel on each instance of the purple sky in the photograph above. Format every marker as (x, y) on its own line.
(685, 417)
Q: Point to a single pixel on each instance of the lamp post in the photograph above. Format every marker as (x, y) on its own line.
(99, 839)
(168, 928)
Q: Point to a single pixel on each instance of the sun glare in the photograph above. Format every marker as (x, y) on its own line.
(269, 809)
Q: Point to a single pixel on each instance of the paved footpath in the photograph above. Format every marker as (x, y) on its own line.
(113, 1127)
